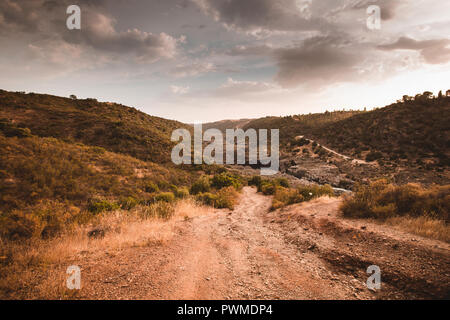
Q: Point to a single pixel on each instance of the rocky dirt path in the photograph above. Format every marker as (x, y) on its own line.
(302, 252)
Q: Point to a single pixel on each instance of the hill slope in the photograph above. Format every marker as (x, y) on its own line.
(114, 127)
(414, 130)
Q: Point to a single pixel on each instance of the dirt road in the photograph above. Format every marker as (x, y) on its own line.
(302, 252)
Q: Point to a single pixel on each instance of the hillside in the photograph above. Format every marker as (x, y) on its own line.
(413, 132)
(226, 124)
(292, 126)
(33, 169)
(115, 127)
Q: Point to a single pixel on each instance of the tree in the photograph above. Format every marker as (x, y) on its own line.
(407, 98)
(72, 96)
(440, 95)
(428, 95)
(447, 93)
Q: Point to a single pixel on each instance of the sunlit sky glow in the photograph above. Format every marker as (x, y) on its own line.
(206, 60)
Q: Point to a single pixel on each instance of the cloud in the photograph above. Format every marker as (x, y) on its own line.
(179, 89)
(260, 15)
(47, 20)
(388, 7)
(99, 32)
(433, 51)
(239, 88)
(261, 50)
(319, 60)
(192, 69)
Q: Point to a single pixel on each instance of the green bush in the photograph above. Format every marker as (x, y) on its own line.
(255, 181)
(100, 206)
(267, 188)
(128, 203)
(182, 192)
(207, 198)
(202, 185)
(315, 191)
(151, 187)
(224, 180)
(225, 198)
(168, 197)
(287, 196)
(281, 182)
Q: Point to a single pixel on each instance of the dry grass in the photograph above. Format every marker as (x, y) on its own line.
(41, 264)
(411, 207)
(422, 226)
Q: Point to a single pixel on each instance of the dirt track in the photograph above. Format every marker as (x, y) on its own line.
(303, 252)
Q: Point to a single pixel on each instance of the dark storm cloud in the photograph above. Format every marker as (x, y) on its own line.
(433, 51)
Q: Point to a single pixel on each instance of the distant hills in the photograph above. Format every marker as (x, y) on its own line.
(413, 131)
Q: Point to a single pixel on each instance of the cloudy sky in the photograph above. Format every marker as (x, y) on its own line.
(204, 60)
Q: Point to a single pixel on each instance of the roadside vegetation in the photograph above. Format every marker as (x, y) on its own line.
(284, 195)
(47, 184)
(40, 263)
(423, 211)
(219, 191)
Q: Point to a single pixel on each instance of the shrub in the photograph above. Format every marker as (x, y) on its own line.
(207, 198)
(17, 225)
(182, 192)
(281, 182)
(128, 203)
(225, 198)
(267, 188)
(381, 200)
(287, 196)
(315, 191)
(99, 150)
(224, 179)
(168, 197)
(151, 187)
(100, 206)
(255, 181)
(200, 186)
(11, 130)
(161, 209)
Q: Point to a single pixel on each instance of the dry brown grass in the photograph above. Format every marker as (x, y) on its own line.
(36, 268)
(422, 226)
(411, 207)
